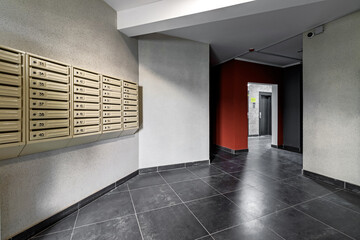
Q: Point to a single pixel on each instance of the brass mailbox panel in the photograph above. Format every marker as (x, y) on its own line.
(130, 119)
(46, 114)
(110, 87)
(12, 122)
(131, 97)
(113, 81)
(112, 94)
(111, 120)
(130, 125)
(13, 80)
(107, 107)
(47, 65)
(47, 75)
(130, 114)
(87, 104)
(131, 102)
(130, 108)
(48, 85)
(107, 114)
(112, 127)
(49, 103)
(130, 91)
(130, 85)
(111, 100)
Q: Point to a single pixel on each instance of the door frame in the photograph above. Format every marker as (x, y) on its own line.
(266, 94)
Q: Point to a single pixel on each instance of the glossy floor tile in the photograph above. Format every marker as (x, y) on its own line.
(146, 199)
(256, 195)
(106, 207)
(176, 223)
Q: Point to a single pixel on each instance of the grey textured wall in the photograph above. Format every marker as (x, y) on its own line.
(292, 85)
(253, 91)
(174, 74)
(82, 33)
(332, 101)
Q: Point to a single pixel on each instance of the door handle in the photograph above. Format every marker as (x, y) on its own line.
(260, 115)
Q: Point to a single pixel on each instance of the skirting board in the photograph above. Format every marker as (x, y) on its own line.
(232, 151)
(173, 166)
(73, 208)
(287, 148)
(341, 184)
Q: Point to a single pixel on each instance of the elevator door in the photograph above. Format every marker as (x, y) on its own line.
(265, 114)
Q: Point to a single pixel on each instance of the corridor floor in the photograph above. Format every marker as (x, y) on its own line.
(259, 195)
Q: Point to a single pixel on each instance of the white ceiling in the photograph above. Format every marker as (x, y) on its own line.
(232, 30)
(119, 5)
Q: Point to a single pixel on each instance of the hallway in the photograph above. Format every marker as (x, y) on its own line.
(255, 195)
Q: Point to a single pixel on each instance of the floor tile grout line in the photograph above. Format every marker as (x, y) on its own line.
(328, 200)
(188, 208)
(137, 220)
(273, 231)
(63, 219)
(73, 229)
(325, 224)
(108, 220)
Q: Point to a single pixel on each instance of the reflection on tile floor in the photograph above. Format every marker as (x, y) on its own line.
(256, 195)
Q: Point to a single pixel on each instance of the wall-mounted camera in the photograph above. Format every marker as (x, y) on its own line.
(315, 31)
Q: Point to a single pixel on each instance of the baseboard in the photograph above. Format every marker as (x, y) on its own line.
(336, 182)
(172, 166)
(232, 151)
(32, 231)
(287, 148)
(254, 135)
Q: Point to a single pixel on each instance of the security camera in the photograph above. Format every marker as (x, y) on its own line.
(310, 34)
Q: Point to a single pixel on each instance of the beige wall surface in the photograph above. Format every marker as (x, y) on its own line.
(82, 33)
(174, 74)
(332, 101)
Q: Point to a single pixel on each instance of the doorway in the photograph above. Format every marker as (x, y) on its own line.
(264, 113)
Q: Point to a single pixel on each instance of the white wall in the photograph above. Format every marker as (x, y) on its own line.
(274, 115)
(332, 101)
(174, 74)
(82, 33)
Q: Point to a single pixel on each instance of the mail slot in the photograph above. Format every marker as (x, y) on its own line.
(87, 106)
(37, 73)
(112, 81)
(10, 137)
(43, 124)
(111, 94)
(86, 114)
(111, 120)
(130, 125)
(42, 104)
(113, 88)
(8, 126)
(42, 84)
(111, 114)
(44, 134)
(86, 121)
(10, 68)
(10, 56)
(86, 98)
(130, 91)
(111, 107)
(128, 96)
(10, 91)
(129, 114)
(10, 79)
(131, 108)
(130, 85)
(86, 83)
(42, 94)
(43, 114)
(85, 74)
(9, 102)
(130, 119)
(39, 63)
(10, 114)
(130, 102)
(83, 130)
(85, 90)
(112, 127)
(111, 100)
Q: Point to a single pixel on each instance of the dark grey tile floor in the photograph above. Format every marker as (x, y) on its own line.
(260, 195)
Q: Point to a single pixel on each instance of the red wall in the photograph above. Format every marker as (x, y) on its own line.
(231, 122)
